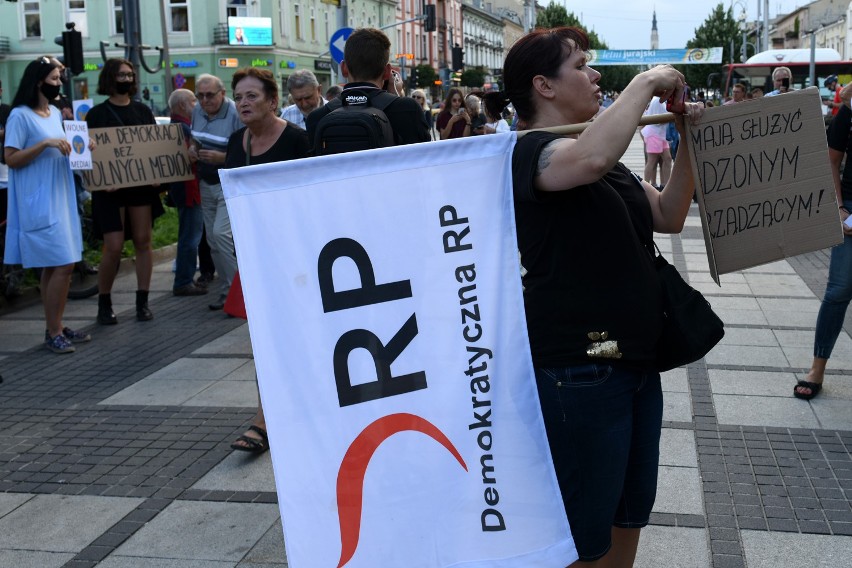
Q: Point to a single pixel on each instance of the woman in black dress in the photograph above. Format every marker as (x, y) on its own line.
(265, 138)
(123, 213)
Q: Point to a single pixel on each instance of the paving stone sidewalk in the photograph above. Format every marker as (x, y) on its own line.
(118, 456)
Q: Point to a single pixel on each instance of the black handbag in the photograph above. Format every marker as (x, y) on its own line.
(690, 326)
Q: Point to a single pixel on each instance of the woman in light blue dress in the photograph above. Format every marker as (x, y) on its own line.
(43, 226)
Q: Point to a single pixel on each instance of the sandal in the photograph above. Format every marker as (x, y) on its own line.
(815, 388)
(252, 445)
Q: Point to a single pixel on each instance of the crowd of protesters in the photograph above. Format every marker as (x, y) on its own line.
(606, 449)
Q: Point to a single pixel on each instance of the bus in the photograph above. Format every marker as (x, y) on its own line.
(757, 70)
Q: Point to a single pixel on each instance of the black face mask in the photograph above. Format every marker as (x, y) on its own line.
(49, 91)
(123, 87)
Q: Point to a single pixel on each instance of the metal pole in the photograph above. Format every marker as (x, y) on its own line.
(765, 24)
(132, 37)
(167, 62)
(812, 66)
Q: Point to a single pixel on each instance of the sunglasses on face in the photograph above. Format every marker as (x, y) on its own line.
(123, 76)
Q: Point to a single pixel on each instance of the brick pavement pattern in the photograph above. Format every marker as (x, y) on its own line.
(757, 482)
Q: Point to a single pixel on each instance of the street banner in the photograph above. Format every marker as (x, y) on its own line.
(385, 309)
(691, 56)
(764, 183)
(77, 134)
(131, 156)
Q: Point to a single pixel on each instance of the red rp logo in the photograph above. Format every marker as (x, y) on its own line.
(353, 468)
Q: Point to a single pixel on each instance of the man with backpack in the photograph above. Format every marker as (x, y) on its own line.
(365, 116)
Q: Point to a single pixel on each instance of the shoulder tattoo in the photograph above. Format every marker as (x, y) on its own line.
(545, 157)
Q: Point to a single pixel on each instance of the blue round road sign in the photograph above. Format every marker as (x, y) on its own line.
(336, 43)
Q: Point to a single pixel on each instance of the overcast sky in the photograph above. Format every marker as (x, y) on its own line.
(626, 24)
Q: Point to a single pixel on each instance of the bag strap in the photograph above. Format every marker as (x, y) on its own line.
(248, 147)
(115, 114)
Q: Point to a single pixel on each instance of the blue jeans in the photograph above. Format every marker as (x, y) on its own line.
(838, 293)
(190, 223)
(603, 427)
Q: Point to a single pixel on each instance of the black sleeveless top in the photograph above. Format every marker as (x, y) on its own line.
(590, 277)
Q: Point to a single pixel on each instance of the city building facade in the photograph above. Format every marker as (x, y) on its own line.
(295, 35)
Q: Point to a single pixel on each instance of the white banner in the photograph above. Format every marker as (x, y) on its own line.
(386, 316)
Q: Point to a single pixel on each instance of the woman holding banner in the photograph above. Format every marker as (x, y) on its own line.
(127, 213)
(43, 227)
(592, 297)
(266, 138)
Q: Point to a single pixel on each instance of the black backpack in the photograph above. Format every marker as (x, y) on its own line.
(357, 121)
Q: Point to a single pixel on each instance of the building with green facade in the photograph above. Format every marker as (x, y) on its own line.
(280, 35)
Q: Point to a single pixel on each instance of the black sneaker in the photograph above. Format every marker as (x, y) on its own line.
(218, 304)
(204, 280)
(189, 290)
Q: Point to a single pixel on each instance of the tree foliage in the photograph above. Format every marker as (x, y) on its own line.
(718, 29)
(613, 78)
(473, 77)
(426, 75)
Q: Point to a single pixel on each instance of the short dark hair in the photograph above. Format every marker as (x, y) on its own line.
(270, 87)
(35, 72)
(540, 52)
(367, 52)
(109, 76)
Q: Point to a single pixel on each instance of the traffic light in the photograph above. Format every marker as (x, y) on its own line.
(429, 24)
(458, 55)
(412, 78)
(72, 48)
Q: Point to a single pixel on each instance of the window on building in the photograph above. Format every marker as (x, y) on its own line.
(297, 21)
(237, 9)
(282, 17)
(327, 28)
(117, 17)
(178, 15)
(77, 14)
(313, 24)
(32, 19)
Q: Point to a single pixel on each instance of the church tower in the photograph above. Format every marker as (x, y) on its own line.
(655, 41)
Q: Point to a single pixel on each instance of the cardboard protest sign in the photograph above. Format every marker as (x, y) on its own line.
(765, 189)
(77, 134)
(129, 156)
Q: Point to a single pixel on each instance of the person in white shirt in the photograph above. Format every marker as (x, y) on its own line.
(307, 97)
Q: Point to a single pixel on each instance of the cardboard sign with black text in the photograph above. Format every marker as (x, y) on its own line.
(129, 156)
(764, 183)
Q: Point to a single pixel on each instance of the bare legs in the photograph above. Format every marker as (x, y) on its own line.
(625, 542)
(140, 223)
(259, 420)
(55, 281)
(664, 161)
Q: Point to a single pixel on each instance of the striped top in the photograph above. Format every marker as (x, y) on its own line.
(212, 133)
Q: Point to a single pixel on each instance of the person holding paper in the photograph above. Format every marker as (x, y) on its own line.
(453, 121)
(43, 229)
(123, 213)
(838, 289)
(592, 297)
